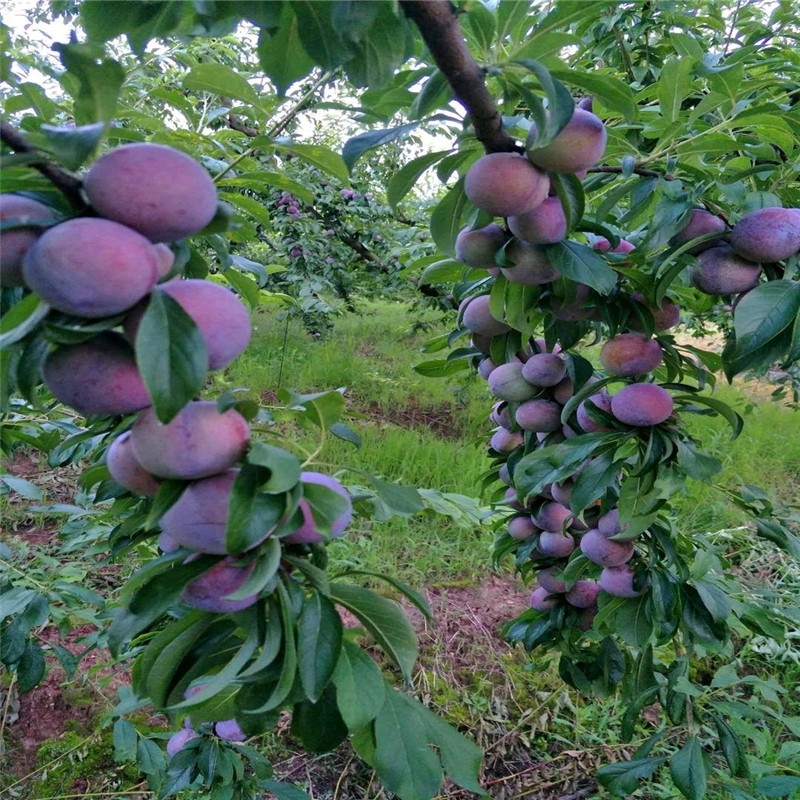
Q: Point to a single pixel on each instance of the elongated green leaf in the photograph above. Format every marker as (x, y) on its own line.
(623, 777)
(612, 92)
(447, 218)
(20, 320)
(171, 355)
(318, 724)
(30, 667)
(417, 598)
(319, 643)
(582, 264)
(560, 104)
(674, 85)
(98, 82)
(318, 156)
(689, 771)
(220, 80)
(282, 55)
(733, 748)
(257, 181)
(723, 409)
(355, 147)
(360, 687)
(402, 181)
(384, 620)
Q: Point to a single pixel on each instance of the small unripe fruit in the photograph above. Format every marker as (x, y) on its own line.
(161, 192)
(583, 594)
(541, 600)
(521, 528)
(720, 270)
(556, 545)
(580, 145)
(700, 223)
(642, 404)
(603, 551)
(767, 234)
(126, 470)
(506, 383)
(547, 580)
(618, 581)
(544, 369)
(15, 242)
(478, 318)
(476, 248)
(546, 224)
(504, 184)
(630, 355)
(539, 416)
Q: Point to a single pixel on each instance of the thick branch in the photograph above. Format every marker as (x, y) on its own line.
(64, 181)
(438, 24)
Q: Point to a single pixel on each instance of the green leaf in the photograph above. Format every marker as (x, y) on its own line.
(360, 687)
(417, 598)
(281, 790)
(12, 644)
(582, 264)
(317, 33)
(30, 667)
(282, 55)
(623, 777)
(778, 786)
(171, 355)
(402, 181)
(447, 218)
(570, 193)
(402, 500)
(72, 146)
(404, 761)
(221, 80)
(124, 738)
(352, 19)
(318, 724)
(22, 487)
(319, 643)
(283, 466)
(356, 146)
(318, 156)
(674, 85)
(98, 82)
(344, 432)
(257, 180)
(67, 660)
(560, 104)
(614, 93)
(435, 93)
(723, 409)
(21, 319)
(252, 514)
(689, 771)
(384, 620)
(733, 748)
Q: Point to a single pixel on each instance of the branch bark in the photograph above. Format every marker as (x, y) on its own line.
(441, 32)
(67, 183)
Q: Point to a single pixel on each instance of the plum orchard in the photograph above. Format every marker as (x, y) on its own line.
(243, 526)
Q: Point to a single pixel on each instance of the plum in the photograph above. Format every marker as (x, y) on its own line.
(603, 245)
(539, 416)
(485, 367)
(91, 267)
(126, 470)
(642, 404)
(619, 582)
(229, 730)
(603, 551)
(505, 184)
(552, 517)
(600, 400)
(220, 315)
(547, 580)
(545, 224)
(477, 317)
(161, 192)
(501, 416)
(544, 369)
(476, 247)
(505, 442)
(555, 544)
(98, 376)
(521, 527)
(767, 234)
(563, 391)
(506, 383)
(541, 600)
(586, 618)
(198, 442)
(308, 532)
(15, 242)
(666, 316)
(180, 739)
(580, 145)
(505, 475)
(209, 590)
(165, 259)
(720, 270)
(630, 355)
(699, 223)
(531, 265)
(583, 594)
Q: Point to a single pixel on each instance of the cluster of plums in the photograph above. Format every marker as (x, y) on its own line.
(108, 267)
(227, 729)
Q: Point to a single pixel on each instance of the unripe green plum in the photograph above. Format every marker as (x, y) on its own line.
(767, 234)
(544, 369)
(161, 192)
(505, 442)
(555, 545)
(521, 527)
(476, 248)
(208, 591)
(91, 267)
(546, 224)
(541, 600)
(308, 532)
(667, 316)
(15, 242)
(630, 355)
(539, 416)
(220, 315)
(504, 184)
(583, 594)
(603, 551)
(619, 582)
(700, 223)
(477, 317)
(506, 383)
(198, 442)
(642, 404)
(531, 267)
(126, 470)
(552, 517)
(98, 376)
(720, 270)
(600, 400)
(580, 145)
(547, 580)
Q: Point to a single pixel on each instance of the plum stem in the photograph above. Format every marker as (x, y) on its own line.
(67, 183)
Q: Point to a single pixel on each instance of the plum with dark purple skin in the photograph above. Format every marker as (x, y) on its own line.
(477, 247)
(506, 383)
(91, 267)
(631, 355)
(601, 401)
(198, 442)
(15, 242)
(541, 600)
(539, 416)
(600, 550)
(209, 590)
(504, 184)
(544, 369)
(555, 544)
(563, 391)
(485, 367)
(586, 619)
(521, 527)
(230, 731)
(180, 739)
(721, 271)
(666, 316)
(477, 317)
(619, 582)
(504, 475)
(161, 192)
(308, 532)
(699, 223)
(583, 594)
(642, 404)
(126, 470)
(767, 234)
(545, 224)
(552, 517)
(531, 265)
(547, 580)
(506, 442)
(580, 145)
(98, 376)
(501, 416)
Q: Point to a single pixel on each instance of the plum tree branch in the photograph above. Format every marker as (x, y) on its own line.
(438, 24)
(67, 183)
